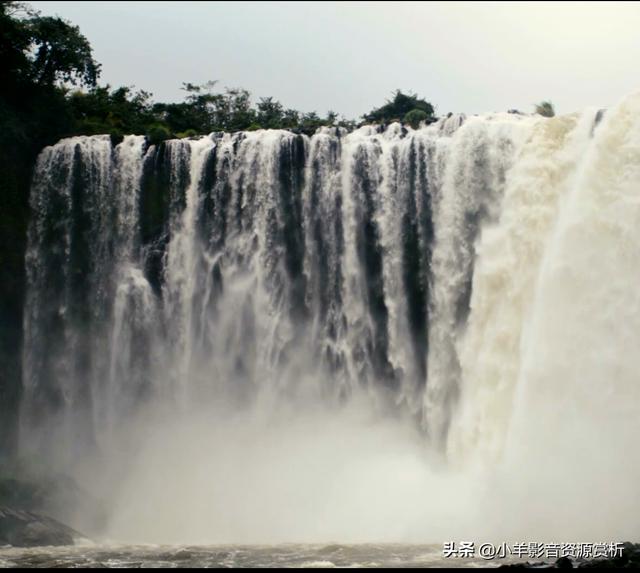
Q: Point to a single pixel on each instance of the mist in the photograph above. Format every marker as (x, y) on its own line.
(354, 475)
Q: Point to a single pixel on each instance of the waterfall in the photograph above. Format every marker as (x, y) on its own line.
(474, 276)
(509, 258)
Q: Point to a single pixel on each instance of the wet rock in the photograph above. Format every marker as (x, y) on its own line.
(630, 559)
(22, 528)
(58, 497)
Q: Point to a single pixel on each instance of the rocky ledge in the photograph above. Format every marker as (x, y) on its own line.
(38, 509)
(22, 528)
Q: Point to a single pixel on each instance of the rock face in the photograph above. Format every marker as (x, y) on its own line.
(27, 529)
(57, 497)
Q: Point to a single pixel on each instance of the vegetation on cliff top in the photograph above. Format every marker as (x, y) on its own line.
(545, 109)
(403, 107)
(46, 62)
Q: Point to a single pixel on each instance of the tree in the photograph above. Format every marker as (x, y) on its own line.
(332, 117)
(204, 111)
(196, 113)
(309, 122)
(415, 117)
(14, 45)
(270, 113)
(398, 107)
(61, 53)
(290, 118)
(234, 111)
(545, 109)
(116, 112)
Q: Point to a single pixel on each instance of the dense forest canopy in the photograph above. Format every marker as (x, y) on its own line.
(50, 58)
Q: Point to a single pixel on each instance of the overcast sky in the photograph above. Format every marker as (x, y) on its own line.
(349, 57)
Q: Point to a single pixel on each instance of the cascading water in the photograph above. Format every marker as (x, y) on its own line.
(470, 277)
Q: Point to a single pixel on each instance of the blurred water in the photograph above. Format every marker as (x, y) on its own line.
(219, 556)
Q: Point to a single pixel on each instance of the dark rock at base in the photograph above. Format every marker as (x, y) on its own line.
(630, 559)
(27, 529)
(57, 496)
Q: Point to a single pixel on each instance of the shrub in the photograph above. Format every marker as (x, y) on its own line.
(187, 133)
(415, 117)
(545, 109)
(157, 133)
(398, 107)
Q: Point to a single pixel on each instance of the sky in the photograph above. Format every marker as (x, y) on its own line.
(350, 57)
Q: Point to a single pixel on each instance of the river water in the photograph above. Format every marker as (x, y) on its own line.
(219, 556)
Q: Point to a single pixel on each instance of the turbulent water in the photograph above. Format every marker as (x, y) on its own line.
(276, 337)
(288, 556)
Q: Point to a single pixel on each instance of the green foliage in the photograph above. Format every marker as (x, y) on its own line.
(39, 55)
(270, 113)
(347, 124)
(119, 111)
(36, 55)
(234, 111)
(415, 117)
(545, 109)
(205, 111)
(60, 53)
(310, 122)
(290, 119)
(397, 108)
(186, 134)
(157, 133)
(15, 40)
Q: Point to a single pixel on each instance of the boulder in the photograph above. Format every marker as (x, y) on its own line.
(22, 528)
